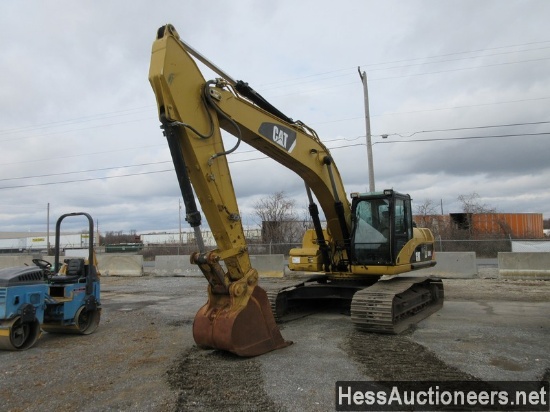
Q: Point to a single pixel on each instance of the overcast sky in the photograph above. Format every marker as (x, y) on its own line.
(461, 88)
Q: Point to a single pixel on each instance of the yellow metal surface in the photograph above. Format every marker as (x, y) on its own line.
(305, 259)
(378, 270)
(195, 111)
(420, 236)
(178, 85)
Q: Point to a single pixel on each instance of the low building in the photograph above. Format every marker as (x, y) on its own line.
(188, 237)
(17, 242)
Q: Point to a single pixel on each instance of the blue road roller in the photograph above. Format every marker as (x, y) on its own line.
(59, 298)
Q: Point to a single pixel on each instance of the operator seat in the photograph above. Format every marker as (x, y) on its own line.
(75, 270)
(75, 267)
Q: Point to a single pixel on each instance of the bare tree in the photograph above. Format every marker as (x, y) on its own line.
(427, 208)
(279, 221)
(117, 237)
(463, 224)
(426, 215)
(471, 204)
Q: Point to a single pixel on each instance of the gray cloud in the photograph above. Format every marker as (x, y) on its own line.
(74, 97)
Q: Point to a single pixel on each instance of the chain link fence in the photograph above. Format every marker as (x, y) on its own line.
(489, 248)
(484, 248)
(150, 251)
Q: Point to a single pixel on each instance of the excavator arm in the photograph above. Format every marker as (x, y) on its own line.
(192, 112)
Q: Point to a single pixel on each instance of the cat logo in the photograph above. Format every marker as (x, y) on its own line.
(283, 136)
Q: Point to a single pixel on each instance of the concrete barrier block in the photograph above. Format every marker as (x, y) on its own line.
(269, 266)
(113, 264)
(13, 261)
(524, 265)
(175, 265)
(120, 264)
(266, 265)
(451, 265)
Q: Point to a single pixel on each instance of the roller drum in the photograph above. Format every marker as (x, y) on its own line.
(15, 334)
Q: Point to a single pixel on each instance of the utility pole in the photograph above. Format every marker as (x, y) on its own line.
(179, 215)
(48, 228)
(363, 76)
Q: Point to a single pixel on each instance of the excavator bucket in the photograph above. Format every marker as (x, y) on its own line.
(246, 331)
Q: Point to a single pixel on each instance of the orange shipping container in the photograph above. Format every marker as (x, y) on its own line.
(516, 225)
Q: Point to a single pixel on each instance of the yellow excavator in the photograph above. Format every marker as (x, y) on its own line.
(362, 241)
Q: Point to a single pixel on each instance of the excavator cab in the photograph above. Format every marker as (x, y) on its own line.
(382, 225)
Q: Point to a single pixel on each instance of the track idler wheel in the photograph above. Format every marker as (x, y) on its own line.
(18, 335)
(241, 323)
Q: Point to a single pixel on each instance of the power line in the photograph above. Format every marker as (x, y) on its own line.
(136, 110)
(465, 106)
(125, 112)
(463, 58)
(461, 68)
(418, 58)
(83, 171)
(468, 128)
(409, 75)
(330, 121)
(76, 130)
(84, 154)
(266, 157)
(84, 180)
(297, 83)
(465, 138)
(77, 120)
(436, 109)
(466, 52)
(326, 141)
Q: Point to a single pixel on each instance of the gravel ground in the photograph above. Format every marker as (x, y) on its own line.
(143, 358)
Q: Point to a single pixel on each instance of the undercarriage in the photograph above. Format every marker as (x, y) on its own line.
(383, 306)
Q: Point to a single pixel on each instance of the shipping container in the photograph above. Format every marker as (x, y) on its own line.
(515, 225)
(485, 225)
